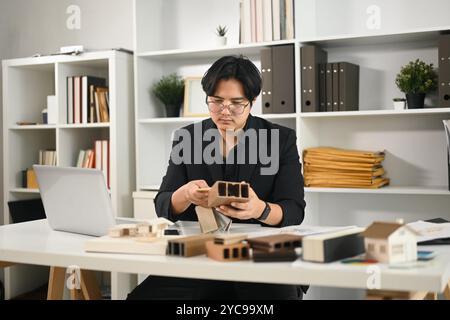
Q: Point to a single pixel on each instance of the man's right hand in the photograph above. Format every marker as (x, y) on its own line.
(190, 194)
(193, 195)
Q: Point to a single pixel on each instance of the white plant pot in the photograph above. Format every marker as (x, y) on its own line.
(221, 41)
(399, 105)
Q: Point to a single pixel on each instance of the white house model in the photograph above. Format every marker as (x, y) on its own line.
(390, 242)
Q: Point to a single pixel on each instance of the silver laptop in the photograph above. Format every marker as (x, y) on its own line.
(75, 199)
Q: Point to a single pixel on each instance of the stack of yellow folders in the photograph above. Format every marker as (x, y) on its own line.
(340, 168)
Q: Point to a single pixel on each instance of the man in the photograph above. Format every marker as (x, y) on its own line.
(241, 147)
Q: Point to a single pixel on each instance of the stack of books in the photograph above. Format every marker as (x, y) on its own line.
(266, 20)
(340, 168)
(47, 157)
(96, 158)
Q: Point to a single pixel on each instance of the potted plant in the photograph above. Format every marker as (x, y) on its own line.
(399, 103)
(170, 90)
(416, 79)
(221, 35)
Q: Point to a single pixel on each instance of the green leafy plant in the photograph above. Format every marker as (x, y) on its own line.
(417, 77)
(221, 31)
(170, 90)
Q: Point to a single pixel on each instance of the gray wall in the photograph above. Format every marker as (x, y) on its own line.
(28, 27)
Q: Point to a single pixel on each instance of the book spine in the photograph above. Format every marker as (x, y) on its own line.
(335, 86)
(276, 20)
(266, 72)
(253, 19)
(290, 19)
(444, 71)
(447, 135)
(247, 21)
(69, 100)
(259, 21)
(267, 20)
(329, 86)
(283, 79)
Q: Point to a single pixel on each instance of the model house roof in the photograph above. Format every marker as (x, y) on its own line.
(382, 230)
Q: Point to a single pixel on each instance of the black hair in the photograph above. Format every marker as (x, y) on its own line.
(233, 67)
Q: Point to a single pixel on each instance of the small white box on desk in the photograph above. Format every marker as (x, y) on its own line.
(144, 207)
(52, 110)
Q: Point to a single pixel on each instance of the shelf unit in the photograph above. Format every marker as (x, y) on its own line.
(413, 139)
(26, 84)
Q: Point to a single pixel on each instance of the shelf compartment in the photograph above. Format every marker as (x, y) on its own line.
(72, 140)
(415, 147)
(27, 90)
(96, 68)
(153, 151)
(150, 71)
(26, 144)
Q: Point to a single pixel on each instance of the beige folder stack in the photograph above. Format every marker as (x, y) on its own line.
(339, 168)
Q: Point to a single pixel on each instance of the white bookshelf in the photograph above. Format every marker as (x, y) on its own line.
(26, 84)
(413, 139)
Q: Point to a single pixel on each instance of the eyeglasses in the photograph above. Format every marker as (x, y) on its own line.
(234, 108)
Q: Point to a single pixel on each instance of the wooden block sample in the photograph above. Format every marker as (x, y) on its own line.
(227, 252)
(123, 230)
(274, 256)
(276, 242)
(147, 228)
(333, 246)
(211, 220)
(229, 238)
(225, 192)
(189, 246)
(206, 219)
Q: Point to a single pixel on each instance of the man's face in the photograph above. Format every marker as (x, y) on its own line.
(229, 92)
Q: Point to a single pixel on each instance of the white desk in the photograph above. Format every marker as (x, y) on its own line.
(35, 243)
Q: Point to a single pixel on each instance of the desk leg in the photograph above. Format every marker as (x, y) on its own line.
(399, 295)
(431, 296)
(89, 289)
(89, 286)
(56, 283)
(447, 291)
(4, 264)
(76, 294)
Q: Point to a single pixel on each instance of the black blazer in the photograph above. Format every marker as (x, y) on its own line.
(284, 188)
